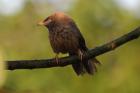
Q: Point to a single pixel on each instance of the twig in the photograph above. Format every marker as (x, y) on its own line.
(64, 61)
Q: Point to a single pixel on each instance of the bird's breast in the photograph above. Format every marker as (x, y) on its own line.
(63, 41)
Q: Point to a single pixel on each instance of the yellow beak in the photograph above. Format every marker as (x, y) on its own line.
(41, 23)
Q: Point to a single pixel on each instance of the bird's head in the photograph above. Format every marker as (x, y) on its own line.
(55, 20)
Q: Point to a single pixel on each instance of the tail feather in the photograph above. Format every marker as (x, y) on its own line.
(85, 66)
(90, 66)
(78, 68)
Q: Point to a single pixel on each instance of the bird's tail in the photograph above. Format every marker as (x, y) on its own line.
(85, 66)
(90, 65)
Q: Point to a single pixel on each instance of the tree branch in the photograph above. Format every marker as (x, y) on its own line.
(64, 61)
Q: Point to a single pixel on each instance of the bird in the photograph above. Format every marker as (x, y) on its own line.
(65, 37)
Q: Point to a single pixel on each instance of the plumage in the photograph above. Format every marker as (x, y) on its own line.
(65, 37)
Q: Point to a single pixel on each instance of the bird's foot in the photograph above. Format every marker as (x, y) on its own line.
(57, 59)
(80, 54)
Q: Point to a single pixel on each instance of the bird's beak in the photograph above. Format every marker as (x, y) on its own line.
(45, 23)
(41, 23)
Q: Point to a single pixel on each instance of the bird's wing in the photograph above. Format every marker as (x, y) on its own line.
(78, 34)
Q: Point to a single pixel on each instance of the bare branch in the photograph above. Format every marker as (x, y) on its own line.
(64, 61)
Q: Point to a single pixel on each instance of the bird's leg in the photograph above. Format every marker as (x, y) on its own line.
(57, 58)
(80, 54)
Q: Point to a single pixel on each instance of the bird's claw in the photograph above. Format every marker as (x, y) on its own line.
(80, 55)
(57, 59)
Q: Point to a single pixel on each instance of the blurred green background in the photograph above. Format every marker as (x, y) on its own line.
(99, 21)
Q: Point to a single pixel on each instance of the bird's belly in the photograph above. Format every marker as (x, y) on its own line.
(64, 43)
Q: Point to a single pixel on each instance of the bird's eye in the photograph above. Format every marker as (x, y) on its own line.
(46, 22)
(49, 20)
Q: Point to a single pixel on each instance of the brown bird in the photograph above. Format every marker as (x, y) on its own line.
(65, 37)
